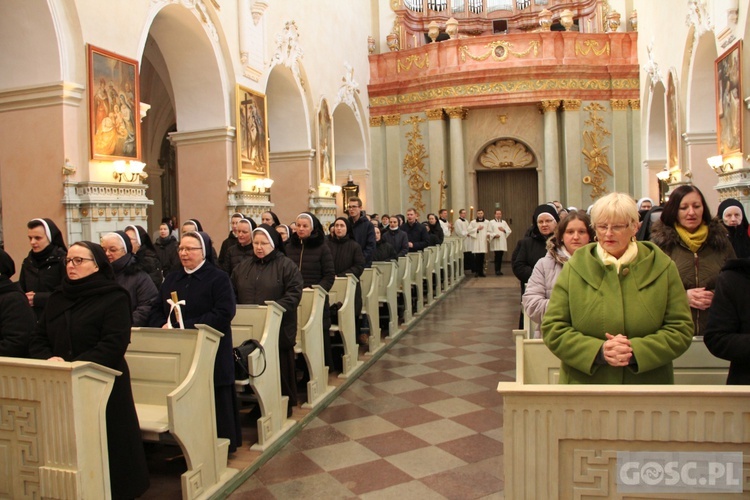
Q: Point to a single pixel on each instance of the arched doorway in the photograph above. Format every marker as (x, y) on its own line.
(350, 152)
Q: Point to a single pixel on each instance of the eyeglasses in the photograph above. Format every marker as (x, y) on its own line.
(615, 228)
(76, 261)
(188, 249)
(352, 206)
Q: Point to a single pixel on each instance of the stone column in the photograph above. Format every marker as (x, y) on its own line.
(437, 158)
(393, 187)
(698, 147)
(640, 188)
(550, 173)
(457, 186)
(621, 159)
(573, 167)
(377, 151)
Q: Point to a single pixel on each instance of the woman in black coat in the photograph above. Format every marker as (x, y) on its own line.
(434, 230)
(307, 249)
(209, 300)
(166, 250)
(269, 275)
(43, 269)
(727, 335)
(383, 250)
(347, 259)
(732, 215)
(89, 320)
(241, 250)
(17, 319)
(145, 253)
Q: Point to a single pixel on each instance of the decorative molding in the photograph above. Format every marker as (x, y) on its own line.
(39, 96)
(257, 10)
(391, 120)
(376, 121)
(202, 136)
(201, 11)
(619, 104)
(300, 155)
(506, 153)
(549, 105)
(417, 61)
(457, 112)
(507, 87)
(635, 104)
(413, 165)
(348, 89)
(588, 46)
(288, 50)
(434, 114)
(652, 67)
(699, 138)
(571, 104)
(594, 152)
(499, 50)
(698, 17)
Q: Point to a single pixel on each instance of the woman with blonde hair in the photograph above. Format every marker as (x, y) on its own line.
(618, 313)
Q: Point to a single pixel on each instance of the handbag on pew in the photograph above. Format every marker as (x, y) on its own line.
(241, 352)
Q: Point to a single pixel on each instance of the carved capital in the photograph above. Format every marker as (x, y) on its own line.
(434, 114)
(571, 104)
(376, 121)
(635, 104)
(392, 119)
(457, 112)
(546, 106)
(619, 104)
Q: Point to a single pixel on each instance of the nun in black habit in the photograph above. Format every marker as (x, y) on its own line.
(17, 320)
(43, 269)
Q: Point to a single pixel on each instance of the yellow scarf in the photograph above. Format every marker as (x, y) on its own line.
(629, 256)
(694, 240)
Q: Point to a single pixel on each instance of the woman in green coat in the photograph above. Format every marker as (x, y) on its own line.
(618, 313)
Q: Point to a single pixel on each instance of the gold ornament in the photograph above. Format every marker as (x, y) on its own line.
(499, 50)
(413, 166)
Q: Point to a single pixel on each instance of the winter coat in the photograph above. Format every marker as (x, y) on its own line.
(699, 269)
(384, 252)
(95, 327)
(42, 276)
(499, 239)
(143, 293)
(150, 264)
(727, 335)
(276, 278)
(461, 228)
(363, 232)
(434, 234)
(313, 258)
(479, 236)
(528, 251)
(645, 302)
(348, 259)
(398, 240)
(539, 288)
(235, 255)
(166, 252)
(225, 246)
(417, 235)
(17, 320)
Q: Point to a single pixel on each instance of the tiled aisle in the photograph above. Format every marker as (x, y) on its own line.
(423, 422)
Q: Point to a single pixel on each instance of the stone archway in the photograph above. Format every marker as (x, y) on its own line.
(656, 139)
(351, 155)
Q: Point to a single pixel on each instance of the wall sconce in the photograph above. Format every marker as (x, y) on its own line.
(131, 171)
(261, 185)
(717, 164)
(329, 190)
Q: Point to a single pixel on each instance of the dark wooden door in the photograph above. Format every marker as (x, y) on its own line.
(515, 192)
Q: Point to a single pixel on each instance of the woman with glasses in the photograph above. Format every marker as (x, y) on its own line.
(698, 245)
(573, 232)
(209, 299)
(88, 319)
(618, 313)
(268, 274)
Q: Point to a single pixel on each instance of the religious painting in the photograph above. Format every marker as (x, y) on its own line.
(326, 165)
(673, 121)
(729, 100)
(252, 133)
(114, 106)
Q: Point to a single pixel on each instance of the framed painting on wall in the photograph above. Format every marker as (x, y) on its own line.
(252, 133)
(325, 145)
(729, 100)
(114, 106)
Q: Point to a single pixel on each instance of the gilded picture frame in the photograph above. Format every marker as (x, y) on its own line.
(326, 159)
(729, 100)
(114, 106)
(252, 133)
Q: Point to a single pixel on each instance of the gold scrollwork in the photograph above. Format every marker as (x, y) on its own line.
(413, 166)
(415, 60)
(499, 50)
(595, 154)
(589, 46)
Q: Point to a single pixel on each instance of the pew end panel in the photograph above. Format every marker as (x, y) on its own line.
(387, 294)
(404, 287)
(417, 279)
(343, 290)
(310, 343)
(370, 281)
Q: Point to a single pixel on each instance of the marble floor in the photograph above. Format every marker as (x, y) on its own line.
(424, 421)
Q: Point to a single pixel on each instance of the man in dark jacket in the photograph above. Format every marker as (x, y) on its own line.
(416, 232)
(362, 229)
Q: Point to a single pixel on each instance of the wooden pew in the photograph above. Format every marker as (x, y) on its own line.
(53, 429)
(343, 290)
(387, 294)
(310, 343)
(429, 257)
(172, 373)
(262, 323)
(446, 265)
(416, 264)
(404, 286)
(456, 253)
(370, 282)
(437, 271)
